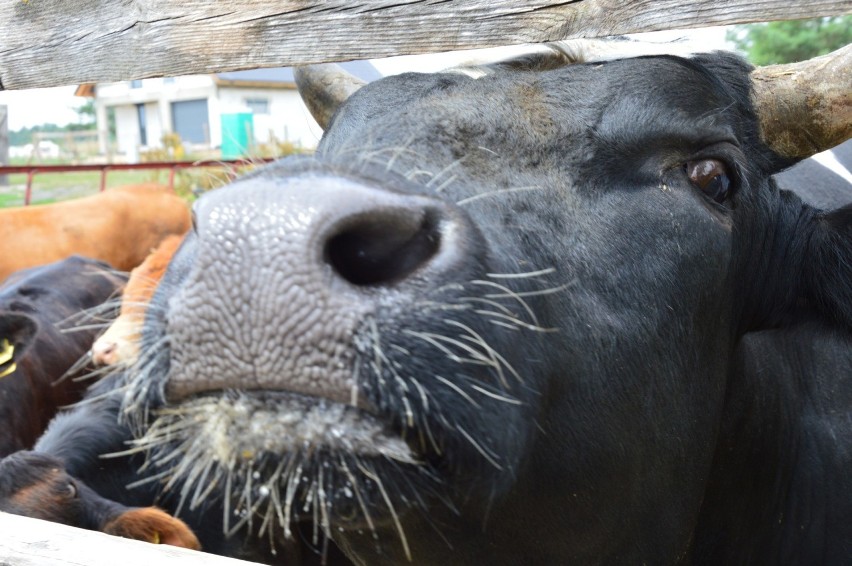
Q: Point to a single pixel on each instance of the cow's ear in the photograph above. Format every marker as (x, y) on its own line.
(17, 332)
(827, 280)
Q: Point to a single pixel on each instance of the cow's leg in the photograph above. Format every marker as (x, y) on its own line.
(153, 525)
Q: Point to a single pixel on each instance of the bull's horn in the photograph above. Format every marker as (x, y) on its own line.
(806, 107)
(324, 88)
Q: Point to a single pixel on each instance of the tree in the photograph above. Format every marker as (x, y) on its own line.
(86, 112)
(791, 41)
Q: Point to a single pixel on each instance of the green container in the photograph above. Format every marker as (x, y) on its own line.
(237, 134)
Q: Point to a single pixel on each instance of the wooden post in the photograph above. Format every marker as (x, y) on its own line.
(102, 187)
(32, 542)
(36, 154)
(28, 192)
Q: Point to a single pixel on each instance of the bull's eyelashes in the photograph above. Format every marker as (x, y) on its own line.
(712, 177)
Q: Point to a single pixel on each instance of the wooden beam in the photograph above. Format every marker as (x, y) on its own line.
(48, 43)
(32, 542)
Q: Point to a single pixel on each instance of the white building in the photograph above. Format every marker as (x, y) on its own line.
(44, 149)
(193, 107)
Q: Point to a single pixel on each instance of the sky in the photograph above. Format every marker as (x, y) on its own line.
(703, 39)
(32, 107)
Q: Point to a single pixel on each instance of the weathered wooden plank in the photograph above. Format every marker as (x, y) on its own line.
(49, 43)
(32, 542)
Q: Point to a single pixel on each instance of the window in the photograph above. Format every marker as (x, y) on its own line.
(143, 130)
(190, 120)
(168, 80)
(136, 84)
(258, 105)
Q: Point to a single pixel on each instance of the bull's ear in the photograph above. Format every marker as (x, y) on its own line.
(17, 332)
(828, 265)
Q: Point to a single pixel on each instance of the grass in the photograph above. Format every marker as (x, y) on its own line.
(52, 187)
(15, 199)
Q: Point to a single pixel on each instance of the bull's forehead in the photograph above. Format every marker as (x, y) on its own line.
(573, 131)
(524, 111)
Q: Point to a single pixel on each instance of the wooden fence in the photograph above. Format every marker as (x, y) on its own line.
(51, 43)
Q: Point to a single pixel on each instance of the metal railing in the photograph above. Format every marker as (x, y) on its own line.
(173, 166)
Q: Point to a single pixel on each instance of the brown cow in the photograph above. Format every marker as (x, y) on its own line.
(35, 353)
(120, 226)
(120, 343)
(36, 485)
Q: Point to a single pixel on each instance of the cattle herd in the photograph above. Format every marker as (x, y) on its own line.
(558, 312)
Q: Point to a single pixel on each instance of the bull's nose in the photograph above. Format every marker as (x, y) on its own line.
(289, 270)
(386, 244)
(363, 234)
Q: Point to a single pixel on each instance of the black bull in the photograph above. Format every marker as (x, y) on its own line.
(562, 316)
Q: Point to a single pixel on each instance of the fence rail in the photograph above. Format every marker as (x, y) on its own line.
(173, 166)
(51, 43)
(33, 542)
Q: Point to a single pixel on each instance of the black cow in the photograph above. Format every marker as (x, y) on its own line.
(554, 315)
(37, 350)
(820, 185)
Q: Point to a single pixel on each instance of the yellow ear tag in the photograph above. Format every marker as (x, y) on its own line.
(8, 350)
(7, 353)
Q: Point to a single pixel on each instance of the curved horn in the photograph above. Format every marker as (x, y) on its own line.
(804, 108)
(324, 88)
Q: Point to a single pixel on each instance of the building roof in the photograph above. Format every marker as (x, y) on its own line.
(86, 90)
(276, 77)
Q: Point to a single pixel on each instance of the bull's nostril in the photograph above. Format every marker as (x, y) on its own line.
(382, 248)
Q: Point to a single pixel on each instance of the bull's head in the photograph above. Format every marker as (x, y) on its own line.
(497, 320)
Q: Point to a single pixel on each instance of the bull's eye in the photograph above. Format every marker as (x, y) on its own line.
(711, 176)
(72, 490)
